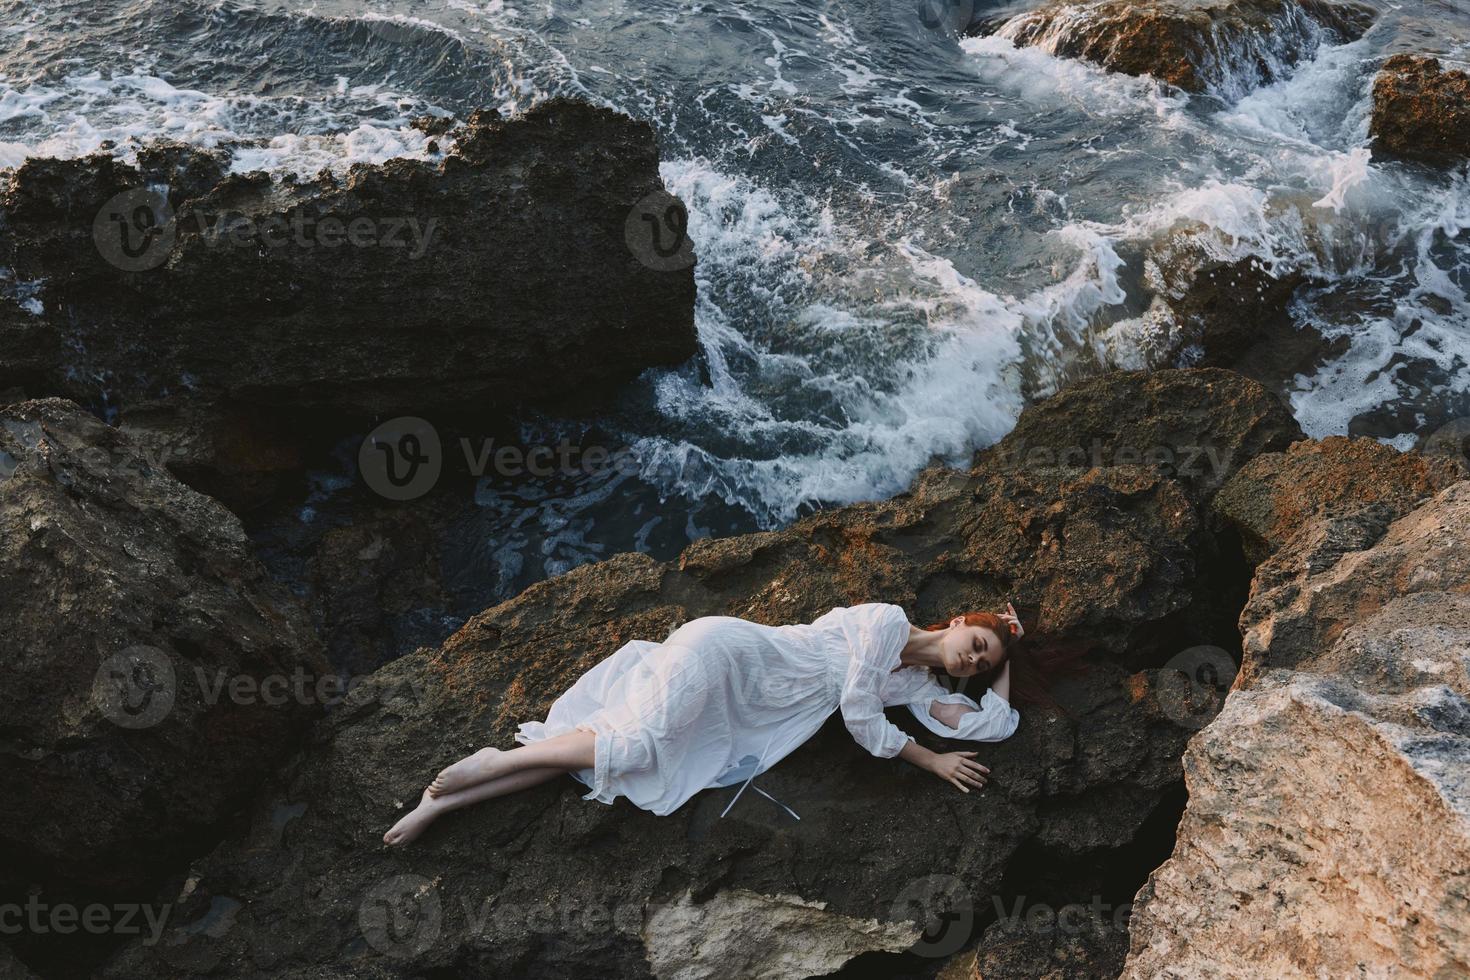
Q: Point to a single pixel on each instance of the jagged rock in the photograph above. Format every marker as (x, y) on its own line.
(1198, 425)
(128, 600)
(511, 272)
(1276, 494)
(240, 458)
(760, 937)
(372, 585)
(1221, 46)
(1421, 111)
(1328, 825)
(11, 968)
(546, 884)
(1333, 572)
(1046, 948)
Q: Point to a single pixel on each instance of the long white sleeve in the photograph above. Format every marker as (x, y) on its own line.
(992, 720)
(876, 634)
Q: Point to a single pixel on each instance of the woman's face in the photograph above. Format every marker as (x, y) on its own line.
(970, 650)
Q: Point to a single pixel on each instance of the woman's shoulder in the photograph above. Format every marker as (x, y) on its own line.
(885, 613)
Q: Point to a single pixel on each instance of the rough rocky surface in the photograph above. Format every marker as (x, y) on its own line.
(1107, 557)
(760, 937)
(1276, 494)
(128, 598)
(1222, 46)
(508, 272)
(377, 588)
(11, 968)
(1421, 111)
(1328, 825)
(1198, 426)
(1044, 950)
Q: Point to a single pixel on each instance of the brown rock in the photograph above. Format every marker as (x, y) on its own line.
(1081, 947)
(545, 884)
(1421, 112)
(1276, 494)
(1223, 46)
(1198, 426)
(1328, 825)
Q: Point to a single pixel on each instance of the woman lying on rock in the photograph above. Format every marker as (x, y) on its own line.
(722, 700)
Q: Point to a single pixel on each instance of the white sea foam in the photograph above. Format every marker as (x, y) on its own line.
(897, 397)
(83, 112)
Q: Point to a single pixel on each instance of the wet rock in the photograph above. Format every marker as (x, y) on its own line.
(138, 627)
(510, 272)
(1198, 426)
(1226, 47)
(1328, 826)
(1421, 111)
(1276, 494)
(545, 884)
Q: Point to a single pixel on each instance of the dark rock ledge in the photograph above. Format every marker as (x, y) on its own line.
(231, 318)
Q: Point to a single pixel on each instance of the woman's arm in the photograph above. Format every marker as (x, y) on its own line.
(1001, 685)
(948, 714)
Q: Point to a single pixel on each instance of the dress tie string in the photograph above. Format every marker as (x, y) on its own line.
(751, 779)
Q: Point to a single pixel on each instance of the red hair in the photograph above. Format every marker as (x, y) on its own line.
(1033, 669)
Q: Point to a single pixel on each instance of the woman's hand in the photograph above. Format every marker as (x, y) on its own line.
(961, 769)
(1010, 616)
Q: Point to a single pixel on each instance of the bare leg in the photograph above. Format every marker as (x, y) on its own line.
(569, 752)
(430, 808)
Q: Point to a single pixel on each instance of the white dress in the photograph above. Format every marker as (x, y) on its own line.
(722, 700)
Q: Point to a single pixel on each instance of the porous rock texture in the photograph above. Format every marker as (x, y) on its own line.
(1226, 47)
(1328, 825)
(510, 271)
(544, 884)
(138, 626)
(1421, 111)
(1274, 495)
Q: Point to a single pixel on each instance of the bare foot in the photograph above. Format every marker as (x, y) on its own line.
(465, 773)
(415, 822)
